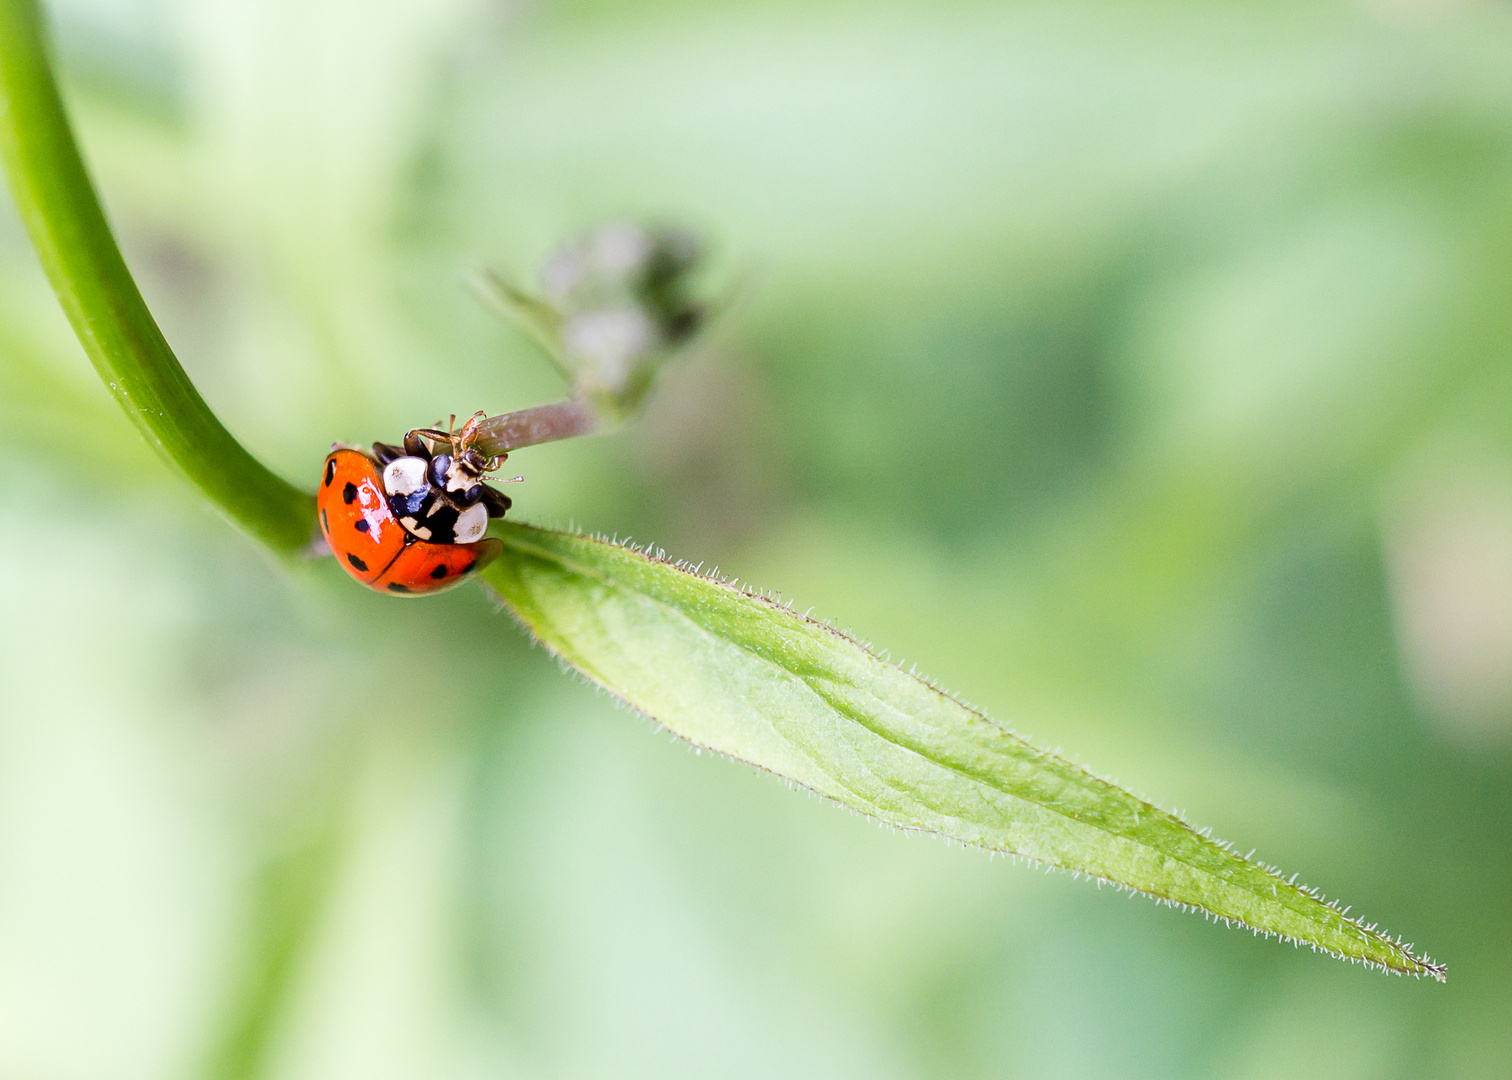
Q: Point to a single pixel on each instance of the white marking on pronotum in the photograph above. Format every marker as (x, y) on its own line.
(415, 527)
(471, 523)
(458, 478)
(404, 476)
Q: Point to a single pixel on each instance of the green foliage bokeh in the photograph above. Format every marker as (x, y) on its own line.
(1139, 371)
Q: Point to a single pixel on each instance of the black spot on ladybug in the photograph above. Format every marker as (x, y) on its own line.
(394, 586)
(361, 525)
(356, 562)
(349, 493)
(439, 572)
(330, 471)
(325, 522)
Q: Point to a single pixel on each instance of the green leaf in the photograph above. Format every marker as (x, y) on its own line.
(740, 674)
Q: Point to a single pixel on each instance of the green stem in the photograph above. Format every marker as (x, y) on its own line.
(73, 240)
(538, 424)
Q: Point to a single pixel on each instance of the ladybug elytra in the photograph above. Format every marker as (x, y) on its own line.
(410, 520)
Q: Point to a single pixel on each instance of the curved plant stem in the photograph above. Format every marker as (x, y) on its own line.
(73, 240)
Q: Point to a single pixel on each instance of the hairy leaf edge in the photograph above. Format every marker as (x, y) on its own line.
(515, 537)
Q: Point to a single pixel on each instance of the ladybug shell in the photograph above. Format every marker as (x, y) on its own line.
(373, 547)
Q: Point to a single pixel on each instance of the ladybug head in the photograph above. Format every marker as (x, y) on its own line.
(457, 466)
(458, 477)
(450, 464)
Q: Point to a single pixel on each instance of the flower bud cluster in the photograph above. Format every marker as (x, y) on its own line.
(623, 299)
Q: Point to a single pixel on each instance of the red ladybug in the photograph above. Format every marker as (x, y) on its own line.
(410, 521)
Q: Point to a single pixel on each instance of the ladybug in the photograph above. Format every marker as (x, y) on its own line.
(409, 520)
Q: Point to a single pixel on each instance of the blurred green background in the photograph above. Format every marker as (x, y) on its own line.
(1141, 371)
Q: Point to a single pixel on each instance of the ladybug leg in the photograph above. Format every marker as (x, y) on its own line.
(496, 501)
(469, 432)
(384, 453)
(419, 442)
